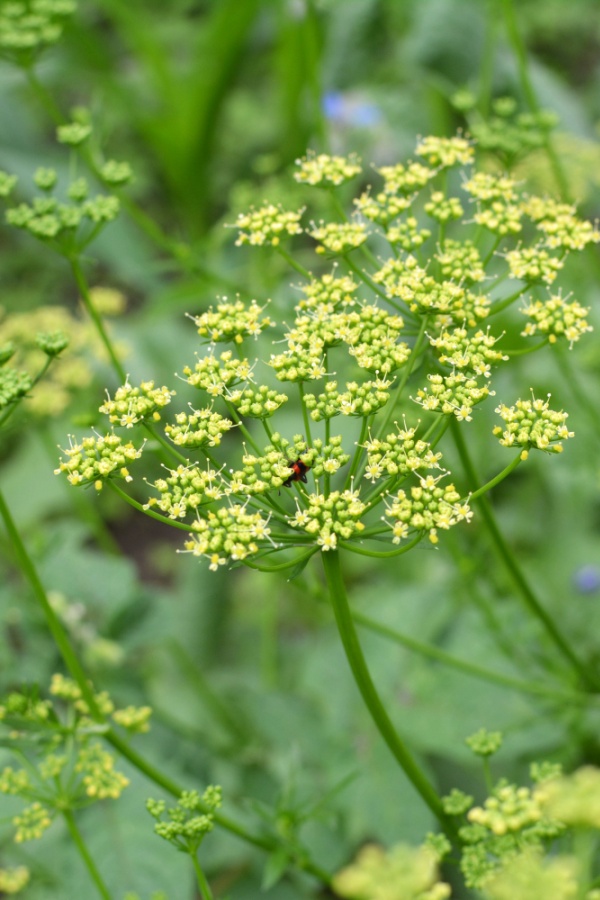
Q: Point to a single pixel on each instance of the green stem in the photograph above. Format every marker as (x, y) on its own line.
(431, 652)
(305, 415)
(572, 379)
(85, 854)
(237, 419)
(530, 95)
(499, 305)
(364, 428)
(486, 66)
(281, 566)
(368, 281)
(203, 885)
(383, 554)
(494, 481)
(408, 369)
(523, 351)
(506, 555)
(171, 450)
(182, 526)
(292, 262)
(44, 97)
(58, 633)
(487, 774)
(96, 319)
(364, 682)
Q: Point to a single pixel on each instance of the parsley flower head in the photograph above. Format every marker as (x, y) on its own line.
(324, 170)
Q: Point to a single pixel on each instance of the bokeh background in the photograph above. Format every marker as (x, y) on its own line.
(211, 102)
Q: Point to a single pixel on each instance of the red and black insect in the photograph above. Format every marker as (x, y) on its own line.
(299, 470)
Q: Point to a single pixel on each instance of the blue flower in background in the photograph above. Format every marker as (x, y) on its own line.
(587, 579)
(351, 110)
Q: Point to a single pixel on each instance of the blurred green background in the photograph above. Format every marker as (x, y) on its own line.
(211, 102)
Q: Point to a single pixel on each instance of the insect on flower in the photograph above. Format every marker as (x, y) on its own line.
(299, 470)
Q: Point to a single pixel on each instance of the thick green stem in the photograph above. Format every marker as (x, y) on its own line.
(590, 679)
(85, 854)
(364, 682)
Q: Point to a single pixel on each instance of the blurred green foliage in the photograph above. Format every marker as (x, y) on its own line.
(210, 102)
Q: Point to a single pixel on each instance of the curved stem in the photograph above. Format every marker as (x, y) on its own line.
(281, 566)
(431, 652)
(85, 854)
(588, 678)
(182, 526)
(523, 351)
(96, 319)
(364, 682)
(383, 554)
(494, 481)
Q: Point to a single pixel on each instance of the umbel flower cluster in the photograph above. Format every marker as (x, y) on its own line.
(508, 841)
(63, 764)
(311, 424)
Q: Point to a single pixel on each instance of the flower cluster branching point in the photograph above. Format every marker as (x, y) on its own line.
(332, 518)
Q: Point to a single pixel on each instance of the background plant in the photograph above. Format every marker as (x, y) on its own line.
(202, 696)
